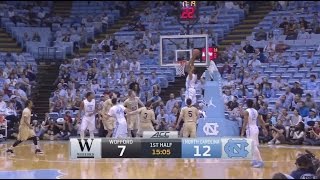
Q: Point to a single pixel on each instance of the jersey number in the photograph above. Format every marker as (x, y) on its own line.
(145, 115)
(134, 108)
(190, 113)
(119, 111)
(90, 107)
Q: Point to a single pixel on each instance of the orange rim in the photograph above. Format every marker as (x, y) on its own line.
(182, 62)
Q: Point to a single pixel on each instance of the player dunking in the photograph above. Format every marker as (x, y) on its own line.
(88, 119)
(117, 111)
(108, 121)
(252, 131)
(192, 78)
(147, 117)
(26, 131)
(190, 116)
(132, 103)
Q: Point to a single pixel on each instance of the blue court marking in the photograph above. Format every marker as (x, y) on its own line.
(31, 174)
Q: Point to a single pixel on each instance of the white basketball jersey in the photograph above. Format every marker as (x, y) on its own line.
(117, 112)
(89, 107)
(253, 117)
(191, 83)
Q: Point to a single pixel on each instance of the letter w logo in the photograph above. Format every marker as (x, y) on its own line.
(86, 144)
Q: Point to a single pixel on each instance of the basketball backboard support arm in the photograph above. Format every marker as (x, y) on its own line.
(207, 61)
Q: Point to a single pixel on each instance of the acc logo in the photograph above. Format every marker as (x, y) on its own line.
(210, 129)
(236, 148)
(308, 176)
(161, 135)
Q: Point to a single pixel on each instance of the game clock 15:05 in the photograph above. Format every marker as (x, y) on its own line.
(157, 152)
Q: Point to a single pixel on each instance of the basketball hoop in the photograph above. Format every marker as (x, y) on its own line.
(180, 65)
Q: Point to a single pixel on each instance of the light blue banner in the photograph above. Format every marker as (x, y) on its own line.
(31, 174)
(215, 124)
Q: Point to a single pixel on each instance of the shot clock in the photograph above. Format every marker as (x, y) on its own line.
(188, 11)
(234, 148)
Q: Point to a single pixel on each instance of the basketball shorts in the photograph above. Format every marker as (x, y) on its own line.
(25, 133)
(145, 127)
(191, 93)
(121, 129)
(133, 122)
(253, 133)
(88, 123)
(108, 123)
(189, 129)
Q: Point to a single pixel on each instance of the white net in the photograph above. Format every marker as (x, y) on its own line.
(180, 66)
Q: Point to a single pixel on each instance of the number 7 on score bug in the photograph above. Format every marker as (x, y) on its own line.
(123, 148)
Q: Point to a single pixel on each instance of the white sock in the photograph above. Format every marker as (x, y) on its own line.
(91, 135)
(81, 134)
(37, 146)
(256, 154)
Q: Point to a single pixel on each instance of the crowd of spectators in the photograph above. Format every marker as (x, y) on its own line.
(294, 117)
(295, 28)
(16, 83)
(76, 29)
(35, 13)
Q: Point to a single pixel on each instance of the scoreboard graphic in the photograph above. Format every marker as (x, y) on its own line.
(231, 148)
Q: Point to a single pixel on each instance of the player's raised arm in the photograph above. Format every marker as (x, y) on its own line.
(245, 122)
(195, 54)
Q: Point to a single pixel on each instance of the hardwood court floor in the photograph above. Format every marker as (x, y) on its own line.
(56, 164)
